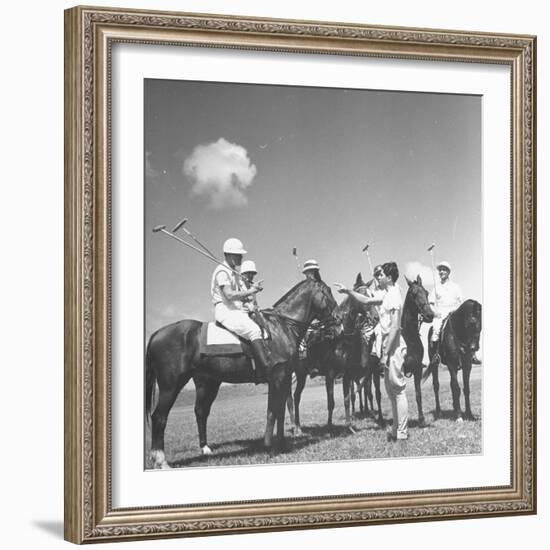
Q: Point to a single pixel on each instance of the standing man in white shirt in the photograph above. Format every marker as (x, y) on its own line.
(444, 298)
(393, 346)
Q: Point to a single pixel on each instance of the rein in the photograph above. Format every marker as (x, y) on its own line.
(302, 325)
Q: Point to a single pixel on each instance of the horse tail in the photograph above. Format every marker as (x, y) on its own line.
(150, 379)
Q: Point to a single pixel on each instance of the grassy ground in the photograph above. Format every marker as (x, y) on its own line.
(237, 422)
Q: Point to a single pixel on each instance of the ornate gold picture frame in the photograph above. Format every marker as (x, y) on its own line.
(90, 35)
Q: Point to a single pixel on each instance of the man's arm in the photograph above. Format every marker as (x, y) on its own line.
(231, 294)
(362, 299)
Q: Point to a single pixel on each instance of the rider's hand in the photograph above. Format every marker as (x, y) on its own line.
(257, 287)
(341, 288)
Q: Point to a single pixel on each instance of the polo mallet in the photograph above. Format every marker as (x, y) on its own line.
(295, 254)
(431, 251)
(366, 249)
(162, 229)
(180, 225)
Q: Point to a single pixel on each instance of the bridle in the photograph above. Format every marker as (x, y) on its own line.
(328, 320)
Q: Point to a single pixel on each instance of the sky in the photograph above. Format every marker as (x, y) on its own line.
(323, 170)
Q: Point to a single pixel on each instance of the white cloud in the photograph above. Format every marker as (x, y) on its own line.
(413, 269)
(221, 172)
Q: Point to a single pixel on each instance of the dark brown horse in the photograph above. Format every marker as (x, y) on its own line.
(173, 358)
(416, 309)
(334, 352)
(458, 341)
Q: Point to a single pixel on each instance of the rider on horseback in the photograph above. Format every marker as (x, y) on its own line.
(311, 271)
(371, 328)
(250, 304)
(228, 294)
(445, 297)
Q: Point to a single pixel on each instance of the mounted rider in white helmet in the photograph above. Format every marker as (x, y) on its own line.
(228, 292)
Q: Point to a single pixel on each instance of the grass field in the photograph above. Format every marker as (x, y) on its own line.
(237, 421)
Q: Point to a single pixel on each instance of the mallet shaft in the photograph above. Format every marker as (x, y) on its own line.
(211, 258)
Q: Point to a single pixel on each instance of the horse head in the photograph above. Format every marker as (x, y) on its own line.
(323, 303)
(309, 299)
(418, 295)
(469, 317)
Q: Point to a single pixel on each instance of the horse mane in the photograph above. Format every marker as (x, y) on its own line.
(291, 291)
(465, 306)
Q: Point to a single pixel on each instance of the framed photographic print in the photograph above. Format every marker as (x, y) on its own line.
(300, 274)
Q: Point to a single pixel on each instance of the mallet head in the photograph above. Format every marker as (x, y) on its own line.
(180, 224)
(158, 228)
(431, 247)
(366, 247)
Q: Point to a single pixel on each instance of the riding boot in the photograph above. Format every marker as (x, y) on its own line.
(261, 360)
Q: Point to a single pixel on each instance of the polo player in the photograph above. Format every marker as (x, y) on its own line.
(228, 294)
(310, 270)
(445, 298)
(372, 329)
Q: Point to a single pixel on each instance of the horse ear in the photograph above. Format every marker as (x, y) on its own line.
(419, 279)
(408, 282)
(359, 280)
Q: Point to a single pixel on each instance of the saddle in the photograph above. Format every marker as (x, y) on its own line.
(216, 340)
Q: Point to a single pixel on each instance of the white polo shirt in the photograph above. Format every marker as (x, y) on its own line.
(447, 296)
(391, 302)
(223, 276)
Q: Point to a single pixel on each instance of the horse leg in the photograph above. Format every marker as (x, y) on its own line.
(206, 392)
(455, 388)
(466, 370)
(435, 381)
(347, 383)
(418, 391)
(329, 385)
(351, 397)
(375, 376)
(167, 397)
(290, 407)
(270, 417)
(300, 383)
(285, 390)
(361, 401)
(275, 402)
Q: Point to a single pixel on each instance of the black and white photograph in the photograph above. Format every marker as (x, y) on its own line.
(313, 274)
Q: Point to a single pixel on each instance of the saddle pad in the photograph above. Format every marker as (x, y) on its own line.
(218, 341)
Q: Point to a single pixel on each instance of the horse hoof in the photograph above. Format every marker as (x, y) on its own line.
(421, 423)
(460, 419)
(206, 451)
(297, 432)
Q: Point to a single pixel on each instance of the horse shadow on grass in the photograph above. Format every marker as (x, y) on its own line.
(254, 447)
(449, 414)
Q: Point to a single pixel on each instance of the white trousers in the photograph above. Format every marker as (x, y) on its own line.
(437, 323)
(237, 321)
(376, 333)
(396, 385)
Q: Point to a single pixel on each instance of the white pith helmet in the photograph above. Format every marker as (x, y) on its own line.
(248, 266)
(310, 264)
(444, 265)
(233, 246)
